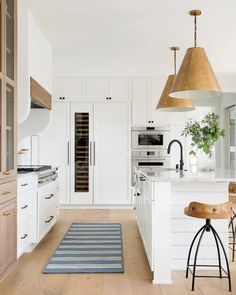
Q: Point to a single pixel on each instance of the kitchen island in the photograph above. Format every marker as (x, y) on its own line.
(161, 196)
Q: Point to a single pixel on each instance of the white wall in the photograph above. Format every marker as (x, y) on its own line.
(35, 58)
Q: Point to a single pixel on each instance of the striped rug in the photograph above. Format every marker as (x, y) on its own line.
(89, 248)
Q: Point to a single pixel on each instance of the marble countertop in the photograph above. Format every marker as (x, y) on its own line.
(165, 174)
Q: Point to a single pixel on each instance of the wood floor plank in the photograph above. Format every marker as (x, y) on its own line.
(27, 278)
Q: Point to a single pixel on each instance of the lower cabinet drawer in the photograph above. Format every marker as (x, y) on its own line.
(23, 236)
(24, 207)
(7, 191)
(47, 219)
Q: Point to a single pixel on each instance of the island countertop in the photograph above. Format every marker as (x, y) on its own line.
(172, 175)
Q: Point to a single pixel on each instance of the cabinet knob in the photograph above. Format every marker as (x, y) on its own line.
(5, 193)
(6, 213)
(6, 173)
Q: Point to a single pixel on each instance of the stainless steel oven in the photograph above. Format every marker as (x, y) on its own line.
(148, 159)
(150, 138)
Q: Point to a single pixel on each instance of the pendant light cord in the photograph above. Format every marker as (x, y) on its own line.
(175, 62)
(195, 31)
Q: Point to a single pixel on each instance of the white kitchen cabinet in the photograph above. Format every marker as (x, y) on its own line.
(103, 89)
(90, 145)
(158, 117)
(144, 208)
(96, 89)
(119, 89)
(145, 96)
(55, 147)
(68, 89)
(140, 114)
(46, 208)
(112, 143)
(26, 212)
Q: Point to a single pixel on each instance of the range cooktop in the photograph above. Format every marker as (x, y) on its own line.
(32, 168)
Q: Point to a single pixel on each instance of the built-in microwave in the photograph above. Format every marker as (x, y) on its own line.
(150, 137)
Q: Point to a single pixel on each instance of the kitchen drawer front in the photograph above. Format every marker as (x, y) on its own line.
(47, 219)
(23, 236)
(47, 199)
(24, 205)
(25, 183)
(7, 191)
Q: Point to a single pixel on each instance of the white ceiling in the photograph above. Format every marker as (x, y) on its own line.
(139, 30)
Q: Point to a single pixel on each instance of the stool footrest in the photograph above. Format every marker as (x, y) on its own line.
(208, 276)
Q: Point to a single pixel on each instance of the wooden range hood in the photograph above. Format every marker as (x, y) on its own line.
(40, 97)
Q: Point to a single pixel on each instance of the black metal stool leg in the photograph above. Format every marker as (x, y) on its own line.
(233, 228)
(218, 252)
(190, 250)
(233, 233)
(195, 257)
(226, 258)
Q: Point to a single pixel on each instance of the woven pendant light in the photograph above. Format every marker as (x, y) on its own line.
(168, 104)
(196, 78)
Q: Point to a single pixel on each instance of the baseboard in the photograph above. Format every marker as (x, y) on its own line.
(162, 282)
(102, 207)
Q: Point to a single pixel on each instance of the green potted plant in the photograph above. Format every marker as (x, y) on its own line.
(204, 135)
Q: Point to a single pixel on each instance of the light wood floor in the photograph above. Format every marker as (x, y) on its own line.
(27, 278)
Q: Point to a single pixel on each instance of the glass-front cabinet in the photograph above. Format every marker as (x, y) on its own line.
(82, 153)
(8, 88)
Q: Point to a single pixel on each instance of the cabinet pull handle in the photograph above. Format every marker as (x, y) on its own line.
(24, 184)
(142, 179)
(68, 153)
(49, 220)
(5, 193)
(50, 196)
(24, 207)
(25, 235)
(6, 173)
(138, 194)
(94, 153)
(6, 213)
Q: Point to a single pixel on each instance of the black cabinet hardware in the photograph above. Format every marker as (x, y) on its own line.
(138, 194)
(25, 236)
(142, 179)
(24, 184)
(50, 196)
(49, 220)
(24, 207)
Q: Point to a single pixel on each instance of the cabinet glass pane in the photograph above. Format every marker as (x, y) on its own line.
(1, 123)
(10, 38)
(0, 36)
(81, 152)
(10, 127)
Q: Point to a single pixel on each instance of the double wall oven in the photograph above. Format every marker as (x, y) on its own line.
(149, 147)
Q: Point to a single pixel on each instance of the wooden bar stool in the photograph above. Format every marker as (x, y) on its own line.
(208, 212)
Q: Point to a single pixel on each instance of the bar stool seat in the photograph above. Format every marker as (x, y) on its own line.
(208, 212)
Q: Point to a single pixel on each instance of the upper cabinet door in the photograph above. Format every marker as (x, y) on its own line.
(157, 117)
(73, 89)
(96, 89)
(10, 39)
(120, 89)
(140, 102)
(10, 130)
(68, 89)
